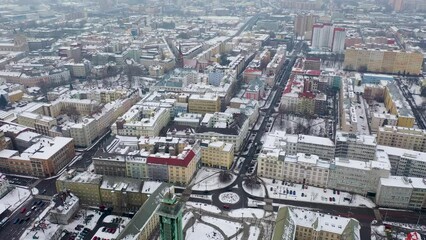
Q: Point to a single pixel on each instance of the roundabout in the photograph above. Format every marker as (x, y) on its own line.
(229, 198)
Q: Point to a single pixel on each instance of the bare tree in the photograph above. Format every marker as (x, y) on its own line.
(252, 182)
(225, 176)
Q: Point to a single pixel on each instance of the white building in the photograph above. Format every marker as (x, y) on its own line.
(355, 146)
(147, 126)
(406, 162)
(359, 176)
(394, 191)
(307, 169)
(338, 43)
(322, 147)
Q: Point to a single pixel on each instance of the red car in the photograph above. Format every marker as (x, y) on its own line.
(226, 206)
(23, 210)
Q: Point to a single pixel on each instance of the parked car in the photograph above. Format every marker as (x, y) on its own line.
(16, 221)
(23, 210)
(226, 206)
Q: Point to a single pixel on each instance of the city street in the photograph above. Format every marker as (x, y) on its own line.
(15, 230)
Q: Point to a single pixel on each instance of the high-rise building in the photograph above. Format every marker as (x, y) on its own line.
(339, 36)
(303, 25)
(327, 36)
(170, 212)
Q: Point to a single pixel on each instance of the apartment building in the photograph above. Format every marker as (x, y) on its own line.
(324, 148)
(217, 154)
(84, 132)
(150, 125)
(206, 103)
(223, 127)
(405, 162)
(355, 146)
(359, 176)
(383, 61)
(123, 194)
(396, 104)
(295, 223)
(306, 169)
(41, 124)
(85, 185)
(300, 96)
(394, 191)
(402, 137)
(43, 158)
(160, 159)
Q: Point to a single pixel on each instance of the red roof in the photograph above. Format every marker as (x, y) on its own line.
(313, 72)
(172, 160)
(307, 95)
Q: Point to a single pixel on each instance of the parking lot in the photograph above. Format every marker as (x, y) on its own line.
(96, 225)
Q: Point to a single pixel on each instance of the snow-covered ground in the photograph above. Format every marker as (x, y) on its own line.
(247, 213)
(229, 197)
(254, 203)
(202, 231)
(14, 198)
(228, 227)
(207, 197)
(258, 192)
(47, 232)
(254, 233)
(207, 179)
(289, 123)
(203, 206)
(313, 194)
(109, 218)
(186, 218)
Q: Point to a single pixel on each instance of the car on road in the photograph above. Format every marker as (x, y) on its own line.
(28, 213)
(23, 210)
(16, 221)
(226, 206)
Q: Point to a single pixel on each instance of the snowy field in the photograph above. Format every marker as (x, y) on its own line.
(258, 192)
(201, 231)
(247, 213)
(207, 179)
(203, 206)
(14, 198)
(229, 197)
(313, 194)
(228, 227)
(289, 123)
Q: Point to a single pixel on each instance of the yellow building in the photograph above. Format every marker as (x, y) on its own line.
(123, 194)
(15, 96)
(383, 61)
(396, 104)
(207, 103)
(407, 138)
(294, 223)
(217, 154)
